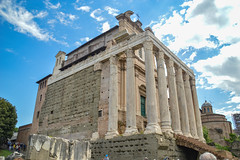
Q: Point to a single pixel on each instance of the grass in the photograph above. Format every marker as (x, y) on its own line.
(4, 152)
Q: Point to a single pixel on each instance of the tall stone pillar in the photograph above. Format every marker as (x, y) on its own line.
(162, 94)
(130, 95)
(173, 101)
(152, 117)
(182, 103)
(113, 99)
(191, 114)
(197, 111)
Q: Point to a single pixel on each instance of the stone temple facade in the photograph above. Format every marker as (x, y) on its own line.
(122, 93)
(124, 81)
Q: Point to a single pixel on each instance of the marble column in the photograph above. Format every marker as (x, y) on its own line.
(173, 101)
(113, 99)
(197, 111)
(152, 117)
(162, 93)
(191, 114)
(182, 103)
(130, 95)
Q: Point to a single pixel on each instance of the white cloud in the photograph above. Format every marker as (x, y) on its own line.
(227, 111)
(42, 14)
(197, 21)
(97, 11)
(222, 71)
(83, 8)
(77, 43)
(111, 11)
(105, 27)
(9, 50)
(22, 20)
(234, 99)
(66, 18)
(192, 56)
(51, 6)
(84, 39)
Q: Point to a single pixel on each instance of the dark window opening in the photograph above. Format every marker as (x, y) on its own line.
(40, 97)
(100, 113)
(143, 106)
(51, 112)
(207, 109)
(38, 114)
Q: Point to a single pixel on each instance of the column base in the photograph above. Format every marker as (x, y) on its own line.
(130, 131)
(178, 132)
(153, 128)
(111, 134)
(95, 136)
(187, 135)
(202, 140)
(196, 137)
(167, 129)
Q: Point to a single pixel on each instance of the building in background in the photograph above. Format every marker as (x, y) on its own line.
(217, 124)
(23, 134)
(42, 88)
(236, 121)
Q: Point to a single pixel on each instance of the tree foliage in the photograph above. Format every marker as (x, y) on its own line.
(8, 120)
(209, 141)
(232, 138)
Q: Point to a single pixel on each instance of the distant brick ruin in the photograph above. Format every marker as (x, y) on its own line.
(124, 93)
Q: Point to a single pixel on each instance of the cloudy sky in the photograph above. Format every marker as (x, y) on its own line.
(205, 34)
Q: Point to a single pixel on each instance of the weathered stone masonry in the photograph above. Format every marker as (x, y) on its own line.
(71, 105)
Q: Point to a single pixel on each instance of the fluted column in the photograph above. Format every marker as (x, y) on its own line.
(182, 103)
(173, 101)
(113, 99)
(152, 117)
(162, 94)
(130, 95)
(197, 111)
(191, 114)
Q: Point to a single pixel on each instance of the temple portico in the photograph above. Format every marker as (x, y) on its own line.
(173, 113)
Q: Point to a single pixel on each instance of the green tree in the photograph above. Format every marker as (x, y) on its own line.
(8, 120)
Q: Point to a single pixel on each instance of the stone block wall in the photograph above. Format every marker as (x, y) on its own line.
(45, 148)
(137, 147)
(70, 109)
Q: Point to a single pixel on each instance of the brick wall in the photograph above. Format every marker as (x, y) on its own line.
(23, 133)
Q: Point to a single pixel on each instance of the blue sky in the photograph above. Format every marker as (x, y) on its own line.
(204, 34)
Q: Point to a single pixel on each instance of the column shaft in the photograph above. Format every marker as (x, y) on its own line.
(162, 94)
(182, 103)
(191, 114)
(130, 95)
(152, 117)
(173, 102)
(113, 99)
(197, 111)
